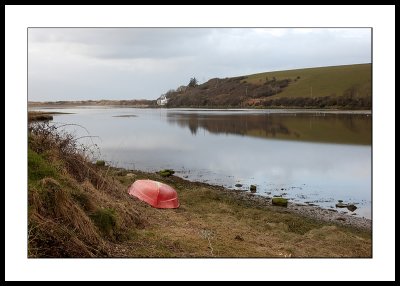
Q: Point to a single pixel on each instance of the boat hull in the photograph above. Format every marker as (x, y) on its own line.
(156, 194)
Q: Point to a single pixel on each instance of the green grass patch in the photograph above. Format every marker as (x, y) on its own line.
(321, 81)
(38, 167)
(105, 220)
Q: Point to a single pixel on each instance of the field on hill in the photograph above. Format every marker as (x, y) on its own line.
(320, 82)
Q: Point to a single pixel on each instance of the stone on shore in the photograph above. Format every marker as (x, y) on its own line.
(280, 202)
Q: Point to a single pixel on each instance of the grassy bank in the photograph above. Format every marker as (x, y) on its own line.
(77, 208)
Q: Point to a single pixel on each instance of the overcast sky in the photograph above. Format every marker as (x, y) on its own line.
(143, 63)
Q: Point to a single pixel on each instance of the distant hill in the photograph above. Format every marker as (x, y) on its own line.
(102, 102)
(346, 87)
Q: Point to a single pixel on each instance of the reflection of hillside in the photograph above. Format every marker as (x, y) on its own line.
(331, 128)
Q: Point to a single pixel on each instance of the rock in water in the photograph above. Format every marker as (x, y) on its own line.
(351, 208)
(166, 172)
(280, 202)
(253, 188)
(341, 205)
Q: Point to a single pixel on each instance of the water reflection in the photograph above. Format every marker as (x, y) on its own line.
(303, 162)
(328, 128)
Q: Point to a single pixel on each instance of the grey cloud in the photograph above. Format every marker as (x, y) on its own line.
(126, 42)
(68, 64)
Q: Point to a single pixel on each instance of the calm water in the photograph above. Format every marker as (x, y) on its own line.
(310, 157)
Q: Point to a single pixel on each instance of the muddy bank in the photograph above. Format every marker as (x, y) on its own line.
(42, 116)
(314, 212)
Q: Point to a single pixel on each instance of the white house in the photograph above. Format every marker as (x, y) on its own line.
(162, 100)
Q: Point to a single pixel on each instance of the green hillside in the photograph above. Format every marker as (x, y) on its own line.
(320, 82)
(343, 87)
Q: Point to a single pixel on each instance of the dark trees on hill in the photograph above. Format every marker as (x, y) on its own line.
(193, 82)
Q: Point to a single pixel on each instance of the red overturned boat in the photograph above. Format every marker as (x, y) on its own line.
(154, 193)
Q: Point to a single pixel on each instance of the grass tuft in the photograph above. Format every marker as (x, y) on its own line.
(105, 220)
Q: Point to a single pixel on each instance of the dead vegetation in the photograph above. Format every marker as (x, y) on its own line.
(75, 209)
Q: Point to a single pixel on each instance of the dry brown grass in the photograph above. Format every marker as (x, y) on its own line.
(39, 116)
(213, 223)
(65, 195)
